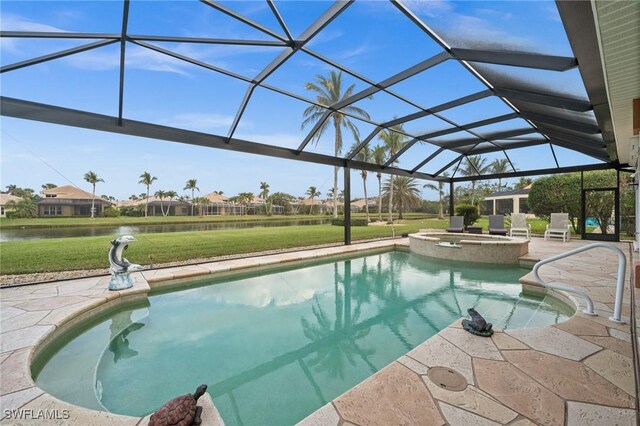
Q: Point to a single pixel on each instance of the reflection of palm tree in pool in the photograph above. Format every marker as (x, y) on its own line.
(121, 326)
(341, 337)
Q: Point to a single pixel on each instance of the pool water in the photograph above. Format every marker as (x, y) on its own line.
(275, 346)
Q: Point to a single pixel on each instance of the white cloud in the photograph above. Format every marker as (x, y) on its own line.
(202, 122)
(493, 14)
(286, 140)
(136, 57)
(471, 31)
(11, 22)
(355, 51)
(430, 8)
(463, 30)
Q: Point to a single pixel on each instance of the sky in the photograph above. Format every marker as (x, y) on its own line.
(371, 37)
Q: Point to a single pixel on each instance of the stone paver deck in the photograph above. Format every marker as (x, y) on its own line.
(576, 373)
(580, 372)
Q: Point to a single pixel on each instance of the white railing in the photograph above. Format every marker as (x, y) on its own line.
(622, 266)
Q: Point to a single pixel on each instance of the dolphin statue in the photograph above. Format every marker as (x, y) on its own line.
(121, 267)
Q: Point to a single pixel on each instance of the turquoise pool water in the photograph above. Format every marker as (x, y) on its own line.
(275, 346)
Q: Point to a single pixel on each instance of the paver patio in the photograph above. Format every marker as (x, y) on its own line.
(575, 373)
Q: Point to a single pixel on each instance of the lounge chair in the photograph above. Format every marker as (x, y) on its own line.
(456, 224)
(519, 225)
(559, 226)
(496, 225)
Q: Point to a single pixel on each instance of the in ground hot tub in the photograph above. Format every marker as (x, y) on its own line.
(469, 248)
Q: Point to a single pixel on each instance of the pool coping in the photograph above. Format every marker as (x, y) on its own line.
(72, 302)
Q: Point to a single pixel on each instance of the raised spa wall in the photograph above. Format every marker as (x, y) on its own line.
(469, 248)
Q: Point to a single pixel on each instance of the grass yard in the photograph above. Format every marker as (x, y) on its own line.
(29, 256)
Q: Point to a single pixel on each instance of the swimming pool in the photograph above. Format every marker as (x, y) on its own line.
(275, 346)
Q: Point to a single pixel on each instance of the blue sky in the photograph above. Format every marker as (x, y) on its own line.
(371, 37)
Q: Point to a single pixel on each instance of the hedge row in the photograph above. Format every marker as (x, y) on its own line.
(354, 222)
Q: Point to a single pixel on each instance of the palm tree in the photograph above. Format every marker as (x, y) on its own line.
(440, 189)
(329, 91)
(264, 193)
(160, 194)
(313, 192)
(171, 195)
(407, 194)
(133, 197)
(365, 156)
(474, 165)
(379, 155)
(25, 208)
(201, 202)
(146, 179)
(192, 184)
(500, 166)
(92, 178)
(49, 186)
(245, 198)
(393, 142)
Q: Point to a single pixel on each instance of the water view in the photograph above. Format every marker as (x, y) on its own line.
(14, 234)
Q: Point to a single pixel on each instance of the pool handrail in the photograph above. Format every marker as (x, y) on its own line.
(622, 265)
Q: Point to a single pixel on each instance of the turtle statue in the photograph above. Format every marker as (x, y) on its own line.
(180, 411)
(477, 325)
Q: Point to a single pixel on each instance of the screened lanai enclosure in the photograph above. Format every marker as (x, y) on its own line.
(538, 102)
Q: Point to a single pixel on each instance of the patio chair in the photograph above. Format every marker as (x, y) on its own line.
(559, 226)
(496, 225)
(456, 224)
(519, 225)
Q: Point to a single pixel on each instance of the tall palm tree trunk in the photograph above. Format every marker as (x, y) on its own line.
(146, 203)
(93, 201)
(441, 206)
(192, 189)
(366, 201)
(379, 197)
(390, 219)
(473, 192)
(338, 145)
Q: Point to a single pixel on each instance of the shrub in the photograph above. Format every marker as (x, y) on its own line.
(469, 212)
(131, 211)
(354, 222)
(111, 212)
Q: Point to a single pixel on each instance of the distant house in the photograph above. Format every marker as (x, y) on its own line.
(507, 202)
(358, 205)
(156, 206)
(219, 205)
(69, 201)
(318, 205)
(6, 199)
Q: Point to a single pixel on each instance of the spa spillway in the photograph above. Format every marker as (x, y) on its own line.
(469, 248)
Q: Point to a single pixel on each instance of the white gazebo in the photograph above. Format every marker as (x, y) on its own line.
(507, 202)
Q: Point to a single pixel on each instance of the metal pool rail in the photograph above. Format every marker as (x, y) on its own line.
(622, 265)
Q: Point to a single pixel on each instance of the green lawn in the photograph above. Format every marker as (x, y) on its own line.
(28, 256)
(157, 220)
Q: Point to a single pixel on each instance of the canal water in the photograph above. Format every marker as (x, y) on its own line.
(97, 231)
